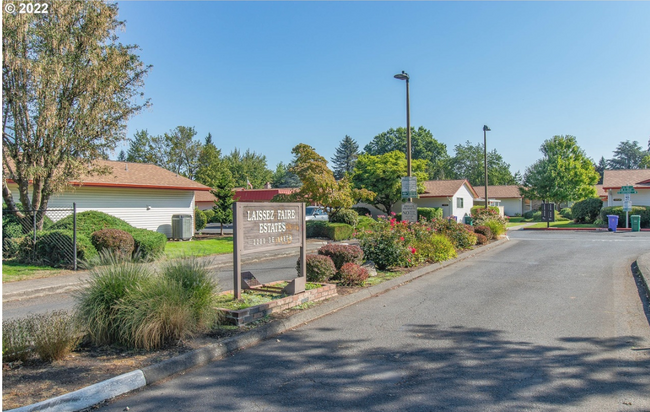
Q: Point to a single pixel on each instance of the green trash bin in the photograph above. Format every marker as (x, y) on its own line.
(636, 223)
(468, 220)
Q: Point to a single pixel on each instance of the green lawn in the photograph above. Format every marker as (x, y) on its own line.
(199, 247)
(567, 224)
(13, 271)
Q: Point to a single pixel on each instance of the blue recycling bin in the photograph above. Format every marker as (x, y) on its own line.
(612, 221)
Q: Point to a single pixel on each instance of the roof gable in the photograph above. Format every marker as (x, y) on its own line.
(500, 191)
(445, 188)
(639, 178)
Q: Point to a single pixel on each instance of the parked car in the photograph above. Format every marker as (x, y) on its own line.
(315, 213)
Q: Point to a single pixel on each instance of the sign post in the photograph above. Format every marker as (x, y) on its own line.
(409, 187)
(627, 192)
(268, 226)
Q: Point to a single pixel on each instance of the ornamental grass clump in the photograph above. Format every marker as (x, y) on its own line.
(16, 340)
(97, 304)
(55, 334)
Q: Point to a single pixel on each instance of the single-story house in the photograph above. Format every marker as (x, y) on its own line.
(144, 195)
(601, 193)
(455, 197)
(613, 180)
(505, 196)
(204, 200)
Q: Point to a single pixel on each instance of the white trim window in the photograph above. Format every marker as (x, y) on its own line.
(459, 203)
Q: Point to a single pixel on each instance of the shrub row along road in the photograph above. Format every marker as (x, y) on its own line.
(265, 271)
(546, 322)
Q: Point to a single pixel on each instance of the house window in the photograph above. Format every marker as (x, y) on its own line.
(459, 202)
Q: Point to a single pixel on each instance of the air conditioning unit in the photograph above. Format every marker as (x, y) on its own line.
(182, 227)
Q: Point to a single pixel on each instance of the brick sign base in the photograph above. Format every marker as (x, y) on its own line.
(244, 316)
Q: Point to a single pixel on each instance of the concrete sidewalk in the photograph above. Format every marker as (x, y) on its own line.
(24, 289)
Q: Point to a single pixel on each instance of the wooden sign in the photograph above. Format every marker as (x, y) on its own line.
(266, 226)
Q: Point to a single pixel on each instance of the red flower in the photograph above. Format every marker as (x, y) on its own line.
(401, 238)
(413, 250)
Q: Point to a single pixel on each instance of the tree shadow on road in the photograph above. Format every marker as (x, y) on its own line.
(430, 368)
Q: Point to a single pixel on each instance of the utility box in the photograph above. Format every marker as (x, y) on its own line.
(182, 227)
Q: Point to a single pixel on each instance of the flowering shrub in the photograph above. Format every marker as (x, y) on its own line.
(342, 254)
(492, 219)
(319, 268)
(485, 231)
(481, 239)
(460, 237)
(386, 244)
(352, 274)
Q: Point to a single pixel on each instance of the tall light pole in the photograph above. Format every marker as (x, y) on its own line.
(485, 130)
(404, 76)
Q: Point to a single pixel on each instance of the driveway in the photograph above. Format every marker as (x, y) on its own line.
(550, 321)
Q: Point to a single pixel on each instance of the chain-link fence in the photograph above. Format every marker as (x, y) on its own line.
(40, 237)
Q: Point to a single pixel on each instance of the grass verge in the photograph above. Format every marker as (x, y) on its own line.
(13, 271)
(199, 247)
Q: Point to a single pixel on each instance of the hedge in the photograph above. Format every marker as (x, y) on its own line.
(54, 248)
(643, 211)
(475, 209)
(333, 231)
(148, 244)
(587, 210)
(430, 213)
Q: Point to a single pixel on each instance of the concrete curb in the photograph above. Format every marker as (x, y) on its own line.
(643, 263)
(122, 384)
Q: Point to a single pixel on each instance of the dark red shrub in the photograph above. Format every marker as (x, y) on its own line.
(481, 239)
(119, 242)
(352, 274)
(319, 268)
(485, 231)
(342, 254)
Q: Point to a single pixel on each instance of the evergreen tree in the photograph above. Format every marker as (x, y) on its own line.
(628, 155)
(345, 157)
(223, 191)
(122, 156)
(600, 168)
(282, 177)
(211, 166)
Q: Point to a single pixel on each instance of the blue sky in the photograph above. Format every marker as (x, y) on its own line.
(266, 76)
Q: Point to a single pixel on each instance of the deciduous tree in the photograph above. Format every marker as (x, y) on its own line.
(182, 151)
(423, 146)
(469, 163)
(563, 174)
(248, 167)
(69, 87)
(382, 175)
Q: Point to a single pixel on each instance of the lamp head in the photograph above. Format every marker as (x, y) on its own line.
(402, 76)
(486, 129)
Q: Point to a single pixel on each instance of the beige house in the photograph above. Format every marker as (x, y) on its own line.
(144, 195)
(455, 197)
(613, 180)
(506, 196)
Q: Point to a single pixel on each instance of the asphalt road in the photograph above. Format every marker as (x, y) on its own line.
(265, 271)
(550, 322)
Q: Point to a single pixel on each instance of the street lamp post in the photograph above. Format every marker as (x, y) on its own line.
(485, 130)
(404, 76)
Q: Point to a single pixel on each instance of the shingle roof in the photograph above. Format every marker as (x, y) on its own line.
(445, 188)
(139, 175)
(499, 192)
(639, 178)
(261, 195)
(600, 192)
(201, 196)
